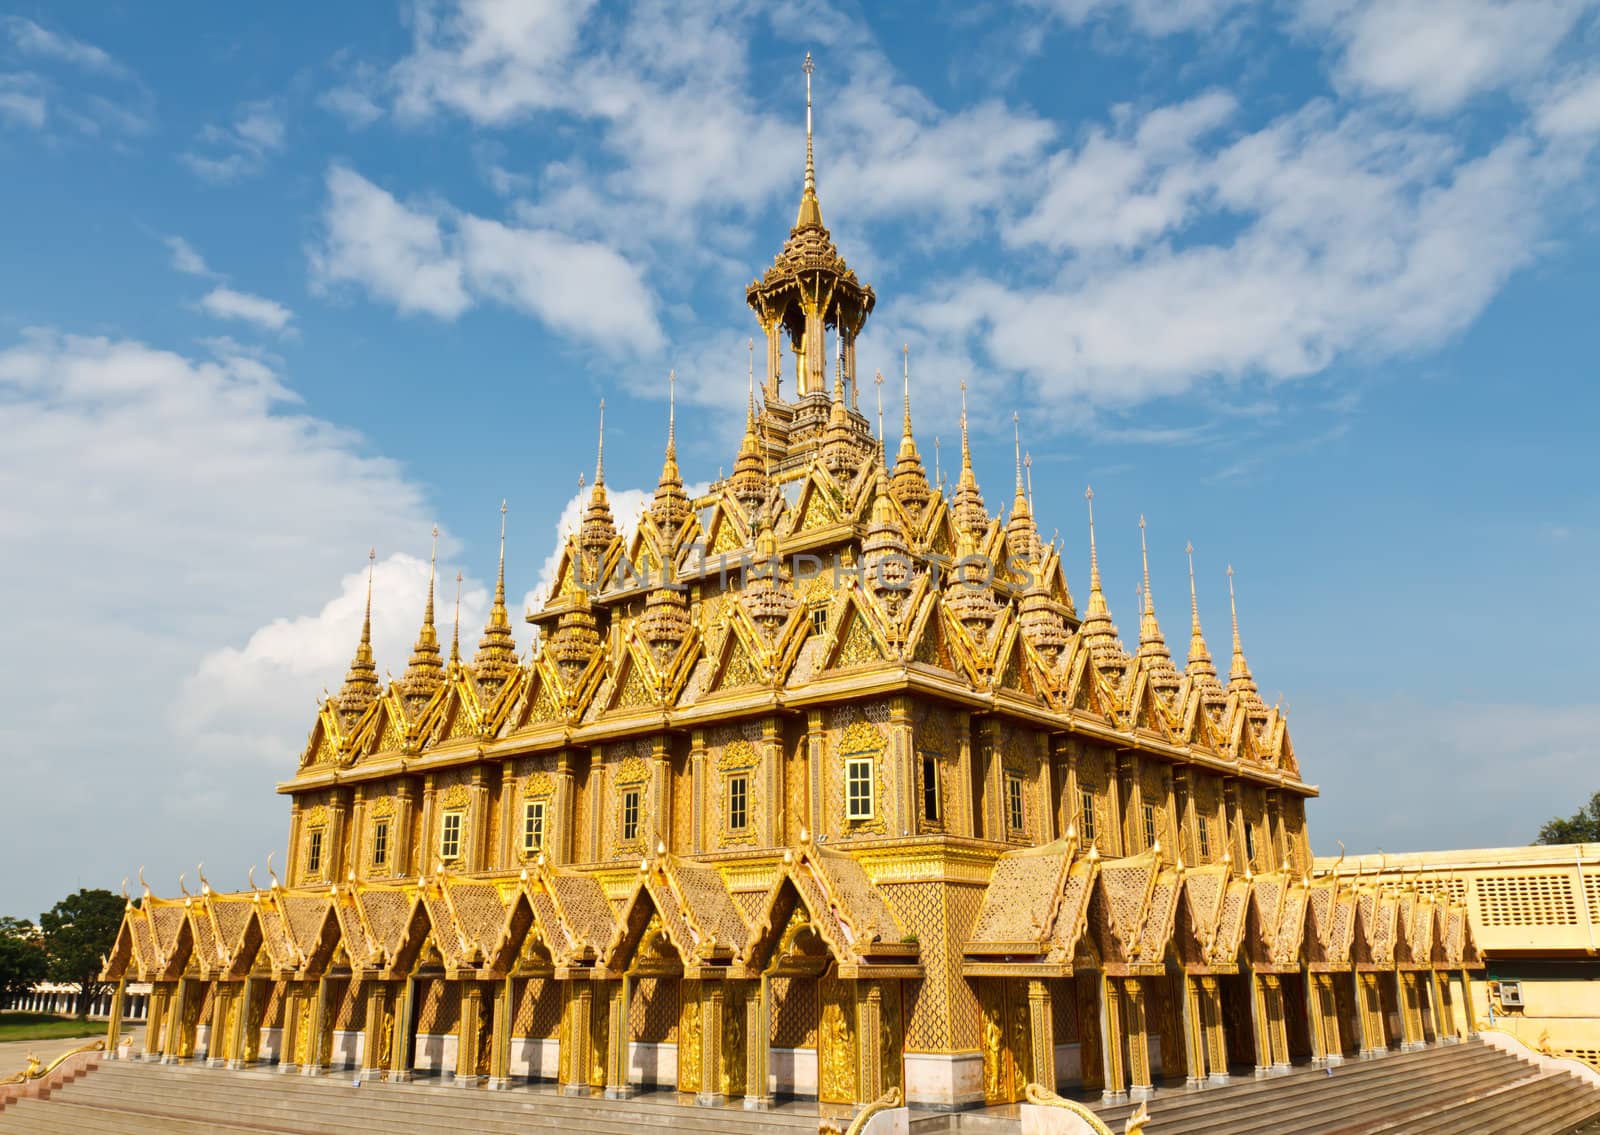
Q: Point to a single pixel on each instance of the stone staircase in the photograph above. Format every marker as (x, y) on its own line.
(1463, 1089)
(153, 1099)
(1466, 1089)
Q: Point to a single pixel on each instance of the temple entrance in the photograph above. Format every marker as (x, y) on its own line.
(1344, 999)
(1296, 1018)
(1006, 1038)
(1238, 1022)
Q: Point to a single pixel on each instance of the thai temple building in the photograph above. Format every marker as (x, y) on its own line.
(823, 783)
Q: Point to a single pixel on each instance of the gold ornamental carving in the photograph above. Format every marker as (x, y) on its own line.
(537, 785)
(456, 796)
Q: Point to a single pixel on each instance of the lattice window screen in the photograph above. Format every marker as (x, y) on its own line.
(1527, 900)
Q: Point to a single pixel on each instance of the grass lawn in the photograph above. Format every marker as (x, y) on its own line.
(45, 1026)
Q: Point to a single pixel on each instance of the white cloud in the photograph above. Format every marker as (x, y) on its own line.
(254, 700)
(1437, 54)
(578, 287)
(394, 251)
(242, 147)
(491, 60)
(31, 39)
(185, 258)
(158, 505)
(440, 262)
(1121, 192)
(1156, 17)
(225, 303)
(1342, 234)
(22, 100)
(1572, 110)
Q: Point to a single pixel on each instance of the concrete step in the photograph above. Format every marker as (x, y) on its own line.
(1553, 1102)
(332, 1105)
(336, 1095)
(63, 1117)
(1184, 1112)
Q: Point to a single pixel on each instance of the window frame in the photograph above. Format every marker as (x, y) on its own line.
(380, 842)
(1086, 822)
(534, 815)
(818, 613)
(628, 822)
(1250, 843)
(316, 838)
(1203, 836)
(1016, 810)
(452, 826)
(737, 784)
(1152, 831)
(932, 790)
(852, 765)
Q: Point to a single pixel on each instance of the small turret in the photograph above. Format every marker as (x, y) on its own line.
(1152, 645)
(967, 508)
(425, 672)
(1201, 670)
(671, 507)
(361, 687)
(1240, 680)
(496, 660)
(1098, 632)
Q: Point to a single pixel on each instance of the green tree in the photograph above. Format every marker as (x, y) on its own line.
(1583, 826)
(78, 931)
(22, 959)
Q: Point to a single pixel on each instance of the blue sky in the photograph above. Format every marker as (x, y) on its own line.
(1307, 283)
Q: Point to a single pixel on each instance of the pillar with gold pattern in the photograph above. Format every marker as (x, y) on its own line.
(317, 1026)
(1115, 1089)
(402, 1022)
(574, 1057)
(1411, 1035)
(156, 1019)
(1369, 1002)
(114, 1018)
(758, 1044)
(1042, 1025)
(289, 1044)
(618, 996)
(500, 1050)
(376, 1027)
(1194, 1032)
(469, 1041)
(217, 1042)
(1216, 1040)
(1139, 1085)
(1277, 1022)
(709, 1093)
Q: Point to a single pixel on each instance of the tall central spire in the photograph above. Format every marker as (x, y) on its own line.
(910, 482)
(360, 687)
(1020, 530)
(1240, 680)
(1098, 632)
(810, 208)
(971, 517)
(1152, 644)
(1199, 667)
(496, 659)
(597, 529)
(670, 508)
(425, 672)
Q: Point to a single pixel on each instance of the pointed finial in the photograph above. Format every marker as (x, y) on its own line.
(1194, 602)
(600, 453)
(905, 351)
(877, 380)
(750, 410)
(938, 473)
(1094, 556)
(1016, 432)
(366, 623)
(811, 168)
(500, 576)
(966, 451)
(672, 413)
(1027, 463)
(433, 564)
(1144, 553)
(455, 636)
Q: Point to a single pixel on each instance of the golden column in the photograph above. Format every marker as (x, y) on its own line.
(172, 1047)
(869, 1041)
(1411, 1036)
(500, 1054)
(1042, 1024)
(619, 996)
(710, 1093)
(114, 1019)
(1139, 1086)
(1370, 1003)
(316, 1052)
(289, 1039)
(758, 1045)
(400, 1046)
(1115, 1089)
(372, 1043)
(217, 1039)
(1277, 1028)
(469, 1036)
(155, 1018)
(1194, 1032)
(574, 1073)
(1216, 1041)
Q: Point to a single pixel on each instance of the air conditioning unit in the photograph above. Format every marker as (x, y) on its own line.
(1511, 994)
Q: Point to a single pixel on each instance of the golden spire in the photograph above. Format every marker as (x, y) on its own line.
(1199, 667)
(1027, 463)
(670, 508)
(838, 368)
(1239, 679)
(810, 208)
(455, 636)
(910, 483)
(749, 480)
(597, 530)
(1098, 631)
(970, 514)
(425, 672)
(877, 380)
(1152, 645)
(496, 659)
(360, 687)
(1024, 536)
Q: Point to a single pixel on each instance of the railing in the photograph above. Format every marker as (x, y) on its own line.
(1043, 1097)
(889, 1099)
(36, 1070)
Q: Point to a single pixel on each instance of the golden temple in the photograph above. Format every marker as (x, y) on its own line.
(818, 784)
